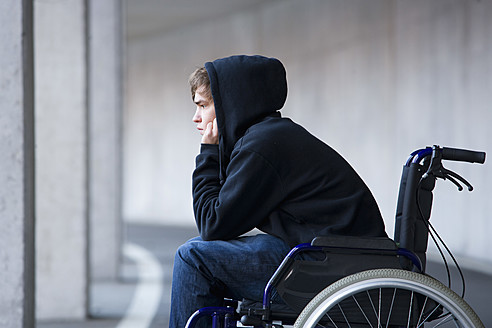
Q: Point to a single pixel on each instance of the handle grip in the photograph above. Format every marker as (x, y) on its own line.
(463, 155)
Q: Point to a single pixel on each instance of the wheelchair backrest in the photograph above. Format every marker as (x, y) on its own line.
(412, 213)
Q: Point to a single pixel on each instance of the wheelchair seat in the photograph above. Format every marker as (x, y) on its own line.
(328, 259)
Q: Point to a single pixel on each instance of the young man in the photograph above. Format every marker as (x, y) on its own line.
(257, 169)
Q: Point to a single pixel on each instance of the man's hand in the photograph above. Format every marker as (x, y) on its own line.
(211, 134)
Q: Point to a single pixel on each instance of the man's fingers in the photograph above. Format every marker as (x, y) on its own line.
(215, 128)
(211, 133)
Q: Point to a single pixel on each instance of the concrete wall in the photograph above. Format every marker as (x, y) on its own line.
(374, 79)
(16, 165)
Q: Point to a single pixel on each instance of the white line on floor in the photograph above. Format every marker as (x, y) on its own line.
(147, 296)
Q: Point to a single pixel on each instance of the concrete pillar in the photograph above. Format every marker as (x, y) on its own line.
(62, 159)
(16, 165)
(105, 94)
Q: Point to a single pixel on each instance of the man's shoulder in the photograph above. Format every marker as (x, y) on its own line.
(266, 131)
(273, 136)
(272, 127)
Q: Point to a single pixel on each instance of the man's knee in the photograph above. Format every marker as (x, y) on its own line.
(190, 252)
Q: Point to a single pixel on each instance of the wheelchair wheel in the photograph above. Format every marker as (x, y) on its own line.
(387, 298)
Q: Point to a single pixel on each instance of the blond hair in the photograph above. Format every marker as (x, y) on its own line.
(199, 79)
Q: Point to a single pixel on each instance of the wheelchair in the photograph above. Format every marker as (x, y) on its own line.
(365, 282)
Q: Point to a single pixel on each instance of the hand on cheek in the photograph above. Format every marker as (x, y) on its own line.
(211, 134)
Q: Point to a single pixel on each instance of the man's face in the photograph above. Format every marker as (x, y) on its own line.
(205, 110)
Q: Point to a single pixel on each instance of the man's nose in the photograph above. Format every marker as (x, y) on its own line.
(197, 118)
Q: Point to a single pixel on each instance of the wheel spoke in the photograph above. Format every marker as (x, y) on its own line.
(380, 299)
(391, 307)
(363, 313)
(343, 313)
(333, 322)
(422, 313)
(449, 317)
(430, 314)
(410, 310)
(374, 308)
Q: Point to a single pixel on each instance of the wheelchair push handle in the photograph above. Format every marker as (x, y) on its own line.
(463, 155)
(437, 170)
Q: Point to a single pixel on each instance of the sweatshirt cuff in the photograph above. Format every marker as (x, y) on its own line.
(209, 149)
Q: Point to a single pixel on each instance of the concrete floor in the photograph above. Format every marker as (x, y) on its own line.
(110, 300)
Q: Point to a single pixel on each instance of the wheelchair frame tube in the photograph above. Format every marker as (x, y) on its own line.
(412, 155)
(214, 312)
(418, 155)
(412, 257)
(281, 270)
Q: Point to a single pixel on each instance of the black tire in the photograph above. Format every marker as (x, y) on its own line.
(387, 298)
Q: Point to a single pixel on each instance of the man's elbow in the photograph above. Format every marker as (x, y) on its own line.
(214, 234)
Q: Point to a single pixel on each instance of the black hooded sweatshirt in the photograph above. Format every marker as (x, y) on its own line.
(269, 172)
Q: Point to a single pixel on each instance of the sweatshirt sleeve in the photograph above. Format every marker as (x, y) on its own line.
(251, 190)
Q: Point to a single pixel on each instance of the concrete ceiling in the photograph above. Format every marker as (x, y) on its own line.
(144, 17)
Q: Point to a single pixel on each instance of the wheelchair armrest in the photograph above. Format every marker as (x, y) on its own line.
(354, 242)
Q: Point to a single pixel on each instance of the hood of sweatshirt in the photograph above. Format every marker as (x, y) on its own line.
(245, 89)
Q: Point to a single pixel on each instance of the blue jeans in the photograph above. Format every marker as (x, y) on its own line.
(207, 271)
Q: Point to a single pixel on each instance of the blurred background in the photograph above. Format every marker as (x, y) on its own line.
(98, 144)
